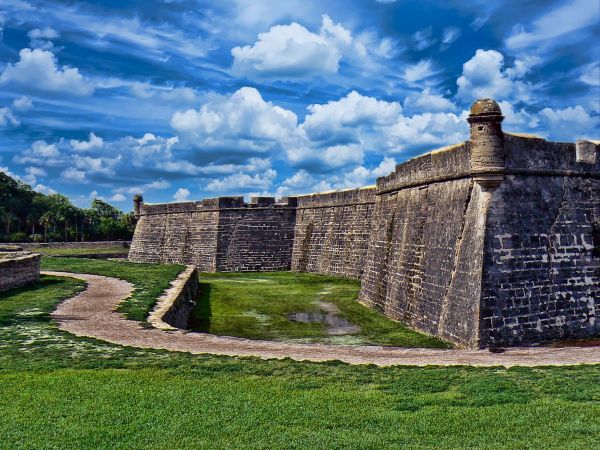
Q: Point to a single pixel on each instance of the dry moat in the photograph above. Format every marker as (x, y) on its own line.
(296, 307)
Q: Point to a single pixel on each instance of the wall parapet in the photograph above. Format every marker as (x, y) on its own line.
(216, 204)
(173, 308)
(525, 155)
(347, 197)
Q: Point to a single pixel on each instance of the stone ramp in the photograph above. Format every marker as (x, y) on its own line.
(92, 313)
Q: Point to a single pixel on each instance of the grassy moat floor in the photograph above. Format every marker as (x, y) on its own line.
(296, 307)
(60, 391)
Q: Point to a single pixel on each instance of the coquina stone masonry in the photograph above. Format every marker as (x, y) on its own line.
(493, 242)
(490, 242)
(19, 269)
(219, 234)
(332, 232)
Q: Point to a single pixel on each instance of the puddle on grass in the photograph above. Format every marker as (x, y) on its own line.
(261, 318)
(336, 325)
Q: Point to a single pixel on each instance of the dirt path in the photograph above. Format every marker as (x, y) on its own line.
(91, 313)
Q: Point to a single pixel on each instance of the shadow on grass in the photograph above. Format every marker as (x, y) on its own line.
(201, 315)
(30, 288)
(38, 293)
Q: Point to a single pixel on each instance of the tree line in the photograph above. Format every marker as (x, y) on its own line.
(29, 216)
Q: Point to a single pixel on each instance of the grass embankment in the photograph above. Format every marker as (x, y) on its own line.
(60, 391)
(259, 306)
(149, 280)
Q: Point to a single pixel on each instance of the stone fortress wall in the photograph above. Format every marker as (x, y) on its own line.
(491, 242)
(332, 232)
(222, 234)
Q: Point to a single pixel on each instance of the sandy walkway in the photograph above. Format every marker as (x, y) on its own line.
(91, 313)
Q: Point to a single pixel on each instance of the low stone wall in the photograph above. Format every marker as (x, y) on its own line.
(18, 271)
(96, 244)
(173, 309)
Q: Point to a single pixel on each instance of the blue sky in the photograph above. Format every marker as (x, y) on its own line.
(182, 99)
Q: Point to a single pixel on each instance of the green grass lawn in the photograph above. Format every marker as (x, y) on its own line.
(259, 305)
(60, 391)
(82, 251)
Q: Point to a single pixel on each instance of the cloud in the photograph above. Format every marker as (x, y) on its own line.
(142, 188)
(569, 123)
(100, 165)
(427, 130)
(41, 38)
(242, 182)
(347, 115)
(419, 71)
(590, 74)
(117, 198)
(483, 76)
(450, 35)
(424, 38)
(181, 195)
(557, 23)
(428, 101)
(37, 69)
(293, 52)
(74, 175)
(241, 120)
(93, 143)
(8, 118)
(22, 103)
(33, 173)
(40, 153)
(523, 66)
(518, 120)
(168, 94)
(303, 182)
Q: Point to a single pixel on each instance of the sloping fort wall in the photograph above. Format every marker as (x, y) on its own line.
(495, 241)
(332, 232)
(541, 271)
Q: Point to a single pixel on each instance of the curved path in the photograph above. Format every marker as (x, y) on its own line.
(91, 313)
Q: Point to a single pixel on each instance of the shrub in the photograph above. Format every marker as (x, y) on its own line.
(19, 237)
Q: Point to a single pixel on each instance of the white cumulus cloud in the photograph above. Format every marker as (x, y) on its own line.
(569, 123)
(483, 76)
(181, 195)
(74, 175)
(93, 143)
(22, 103)
(292, 51)
(241, 120)
(37, 69)
(243, 181)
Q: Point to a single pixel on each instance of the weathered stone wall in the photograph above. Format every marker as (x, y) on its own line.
(174, 307)
(221, 234)
(424, 261)
(255, 237)
(490, 257)
(332, 232)
(541, 278)
(183, 233)
(19, 270)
